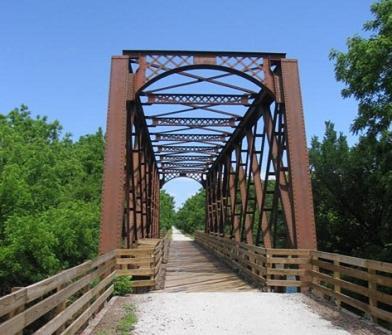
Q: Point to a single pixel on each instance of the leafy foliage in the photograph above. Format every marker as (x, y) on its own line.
(49, 198)
(122, 285)
(352, 190)
(167, 213)
(366, 69)
(353, 186)
(191, 216)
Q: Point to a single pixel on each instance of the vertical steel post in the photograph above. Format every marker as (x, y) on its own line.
(298, 159)
(114, 177)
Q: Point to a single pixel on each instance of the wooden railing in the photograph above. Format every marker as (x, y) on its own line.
(64, 303)
(360, 285)
(272, 269)
(144, 263)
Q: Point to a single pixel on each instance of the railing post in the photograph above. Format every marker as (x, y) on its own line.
(336, 275)
(372, 286)
(268, 267)
(17, 310)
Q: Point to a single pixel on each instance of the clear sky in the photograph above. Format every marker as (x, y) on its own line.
(55, 55)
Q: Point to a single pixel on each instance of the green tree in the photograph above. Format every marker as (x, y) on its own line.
(353, 186)
(167, 213)
(191, 216)
(366, 70)
(49, 198)
(352, 195)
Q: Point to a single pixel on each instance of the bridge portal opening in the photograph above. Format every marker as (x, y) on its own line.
(232, 121)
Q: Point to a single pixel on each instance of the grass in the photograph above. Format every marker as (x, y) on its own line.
(127, 322)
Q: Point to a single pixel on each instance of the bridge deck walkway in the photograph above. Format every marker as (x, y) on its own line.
(190, 268)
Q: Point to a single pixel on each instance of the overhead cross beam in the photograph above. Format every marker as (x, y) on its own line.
(194, 122)
(186, 158)
(193, 148)
(183, 165)
(189, 137)
(199, 99)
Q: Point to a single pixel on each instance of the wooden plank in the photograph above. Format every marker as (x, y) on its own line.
(365, 263)
(143, 283)
(134, 252)
(135, 261)
(355, 273)
(374, 311)
(286, 283)
(247, 246)
(288, 252)
(75, 326)
(281, 260)
(31, 314)
(342, 269)
(136, 272)
(76, 306)
(190, 269)
(30, 293)
(341, 283)
(287, 272)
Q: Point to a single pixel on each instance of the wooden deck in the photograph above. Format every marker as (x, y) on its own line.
(190, 268)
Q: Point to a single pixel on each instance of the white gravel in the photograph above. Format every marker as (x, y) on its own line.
(236, 313)
(177, 235)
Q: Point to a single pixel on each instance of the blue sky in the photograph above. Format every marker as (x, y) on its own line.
(55, 55)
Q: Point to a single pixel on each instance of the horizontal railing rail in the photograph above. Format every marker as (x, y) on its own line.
(273, 269)
(359, 285)
(65, 302)
(61, 303)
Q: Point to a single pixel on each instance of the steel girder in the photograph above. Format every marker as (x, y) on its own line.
(194, 122)
(199, 99)
(189, 137)
(197, 149)
(252, 164)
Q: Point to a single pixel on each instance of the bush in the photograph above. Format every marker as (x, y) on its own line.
(122, 285)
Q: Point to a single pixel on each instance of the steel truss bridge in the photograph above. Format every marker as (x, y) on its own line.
(232, 121)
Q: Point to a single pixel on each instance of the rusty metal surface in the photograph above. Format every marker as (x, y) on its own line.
(113, 194)
(232, 121)
(199, 99)
(302, 197)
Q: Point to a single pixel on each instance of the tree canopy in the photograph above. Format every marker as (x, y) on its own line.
(366, 71)
(352, 195)
(167, 214)
(353, 185)
(191, 216)
(49, 197)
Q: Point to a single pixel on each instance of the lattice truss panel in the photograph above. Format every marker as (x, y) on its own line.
(192, 112)
(156, 64)
(248, 189)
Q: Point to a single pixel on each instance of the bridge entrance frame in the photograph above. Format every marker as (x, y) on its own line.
(244, 200)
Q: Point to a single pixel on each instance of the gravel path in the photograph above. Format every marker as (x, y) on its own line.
(228, 313)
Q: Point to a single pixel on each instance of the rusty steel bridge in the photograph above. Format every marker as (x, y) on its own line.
(232, 121)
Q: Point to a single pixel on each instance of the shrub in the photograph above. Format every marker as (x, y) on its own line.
(122, 285)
